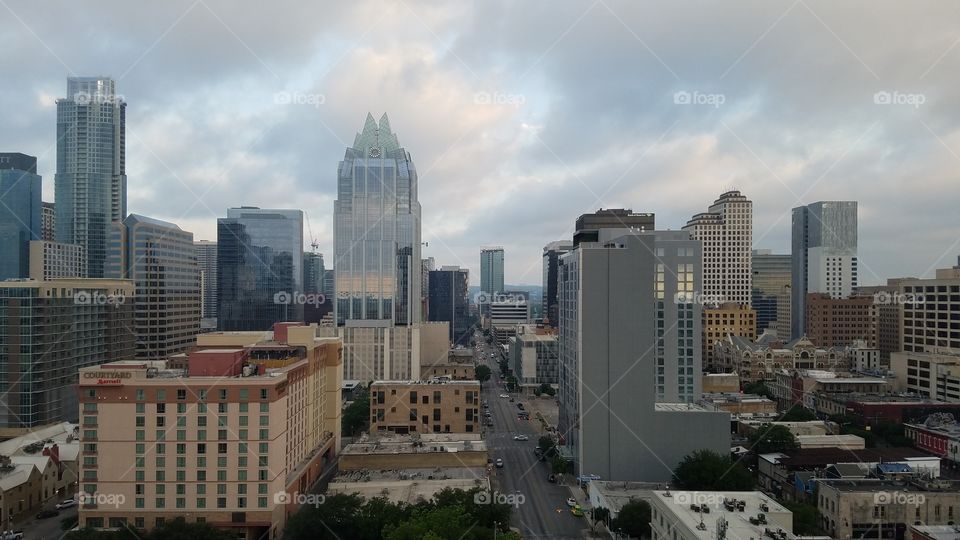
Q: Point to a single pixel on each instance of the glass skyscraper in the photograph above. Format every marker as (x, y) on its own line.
(377, 231)
(91, 179)
(259, 268)
(20, 210)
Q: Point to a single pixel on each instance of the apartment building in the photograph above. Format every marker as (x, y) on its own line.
(728, 319)
(839, 322)
(438, 405)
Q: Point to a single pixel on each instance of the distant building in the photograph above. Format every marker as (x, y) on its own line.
(551, 263)
(48, 221)
(729, 319)
(457, 366)
(888, 302)
(824, 255)
(20, 212)
(91, 178)
(317, 305)
(259, 268)
(933, 374)
(37, 467)
(434, 406)
(725, 231)
(725, 514)
(770, 292)
(206, 252)
(762, 359)
(62, 325)
(491, 276)
(159, 257)
(839, 322)
(507, 310)
(534, 356)
(449, 300)
(53, 260)
(926, 304)
(807, 387)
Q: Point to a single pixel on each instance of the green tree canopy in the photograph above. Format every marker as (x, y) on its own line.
(633, 519)
(774, 439)
(709, 471)
(482, 373)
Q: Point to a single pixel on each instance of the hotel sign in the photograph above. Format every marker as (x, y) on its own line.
(106, 378)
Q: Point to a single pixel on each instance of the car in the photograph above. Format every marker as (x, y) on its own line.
(552, 478)
(504, 395)
(499, 463)
(489, 422)
(520, 406)
(44, 514)
(577, 511)
(521, 437)
(571, 502)
(487, 414)
(11, 535)
(511, 400)
(68, 503)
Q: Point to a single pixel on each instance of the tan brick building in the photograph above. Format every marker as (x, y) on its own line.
(434, 406)
(726, 320)
(838, 322)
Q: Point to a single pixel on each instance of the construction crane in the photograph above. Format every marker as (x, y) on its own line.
(313, 239)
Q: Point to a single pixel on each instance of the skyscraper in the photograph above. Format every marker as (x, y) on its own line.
(20, 210)
(159, 257)
(551, 260)
(491, 276)
(449, 301)
(588, 226)
(48, 222)
(91, 179)
(770, 293)
(316, 303)
(726, 232)
(378, 271)
(824, 255)
(206, 252)
(259, 268)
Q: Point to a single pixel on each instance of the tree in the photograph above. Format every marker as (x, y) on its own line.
(805, 518)
(482, 373)
(600, 515)
(356, 416)
(338, 517)
(709, 471)
(547, 389)
(546, 445)
(798, 413)
(633, 519)
(774, 439)
(760, 388)
(559, 465)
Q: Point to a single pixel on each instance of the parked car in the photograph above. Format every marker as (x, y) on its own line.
(571, 502)
(504, 395)
(521, 437)
(44, 514)
(520, 406)
(11, 535)
(68, 503)
(552, 478)
(577, 511)
(499, 463)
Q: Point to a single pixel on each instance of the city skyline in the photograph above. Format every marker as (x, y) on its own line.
(514, 141)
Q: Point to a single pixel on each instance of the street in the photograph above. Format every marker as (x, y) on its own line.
(543, 512)
(48, 528)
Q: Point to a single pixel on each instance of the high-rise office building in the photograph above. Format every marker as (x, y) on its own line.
(551, 261)
(824, 255)
(491, 272)
(378, 269)
(618, 220)
(91, 179)
(160, 259)
(48, 222)
(53, 260)
(20, 211)
(427, 265)
(726, 232)
(770, 289)
(206, 253)
(449, 301)
(316, 304)
(53, 328)
(629, 343)
(507, 309)
(259, 268)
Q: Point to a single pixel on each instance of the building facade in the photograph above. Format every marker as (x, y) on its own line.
(91, 178)
(259, 268)
(449, 300)
(551, 261)
(824, 251)
(770, 293)
(534, 355)
(20, 213)
(206, 253)
(928, 305)
(491, 273)
(434, 406)
(53, 260)
(616, 221)
(48, 221)
(761, 360)
(840, 322)
(51, 329)
(160, 259)
(728, 319)
(726, 232)
(934, 374)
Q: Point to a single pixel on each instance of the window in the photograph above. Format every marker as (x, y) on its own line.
(140, 394)
(264, 393)
(181, 394)
(223, 394)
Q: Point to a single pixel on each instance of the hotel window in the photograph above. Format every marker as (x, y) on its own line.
(201, 489)
(181, 394)
(263, 393)
(222, 462)
(201, 502)
(161, 396)
(141, 408)
(221, 502)
(244, 394)
(223, 394)
(181, 408)
(244, 407)
(222, 408)
(140, 394)
(264, 407)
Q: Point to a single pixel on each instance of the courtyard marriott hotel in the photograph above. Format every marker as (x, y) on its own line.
(245, 422)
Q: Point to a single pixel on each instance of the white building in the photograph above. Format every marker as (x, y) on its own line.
(708, 515)
(56, 260)
(726, 231)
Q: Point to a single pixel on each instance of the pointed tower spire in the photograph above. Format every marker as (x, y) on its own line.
(385, 124)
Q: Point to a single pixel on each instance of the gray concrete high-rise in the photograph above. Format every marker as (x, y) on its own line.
(551, 262)
(20, 213)
(161, 260)
(588, 226)
(824, 241)
(628, 310)
(491, 270)
(91, 178)
(206, 252)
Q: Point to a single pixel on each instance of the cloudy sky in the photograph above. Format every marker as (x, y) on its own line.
(520, 116)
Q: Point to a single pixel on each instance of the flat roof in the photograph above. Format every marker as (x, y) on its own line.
(679, 503)
(681, 407)
(871, 485)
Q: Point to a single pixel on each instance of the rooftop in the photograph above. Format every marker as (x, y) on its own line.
(419, 444)
(681, 407)
(872, 485)
(726, 506)
(819, 457)
(433, 381)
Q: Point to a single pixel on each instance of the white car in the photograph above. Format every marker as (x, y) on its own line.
(571, 502)
(521, 438)
(68, 503)
(504, 395)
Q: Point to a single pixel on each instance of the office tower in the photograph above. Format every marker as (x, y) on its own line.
(619, 220)
(53, 260)
(329, 284)
(206, 253)
(259, 268)
(230, 440)
(839, 322)
(534, 356)
(316, 305)
(720, 322)
(824, 255)
(48, 221)
(888, 301)
(91, 179)
(770, 291)
(629, 332)
(491, 273)
(449, 301)
(551, 260)
(507, 309)
(19, 213)
(426, 266)
(726, 232)
(160, 259)
(378, 268)
(59, 326)
(927, 305)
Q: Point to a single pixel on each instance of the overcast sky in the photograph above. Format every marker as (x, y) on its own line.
(520, 116)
